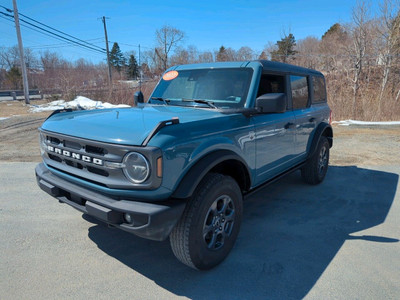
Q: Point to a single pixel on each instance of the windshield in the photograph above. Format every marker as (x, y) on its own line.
(222, 88)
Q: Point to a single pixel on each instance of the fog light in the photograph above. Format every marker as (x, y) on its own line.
(128, 218)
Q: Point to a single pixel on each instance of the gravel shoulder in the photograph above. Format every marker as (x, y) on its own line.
(19, 139)
(366, 146)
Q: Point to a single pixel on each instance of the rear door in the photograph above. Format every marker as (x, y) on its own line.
(303, 112)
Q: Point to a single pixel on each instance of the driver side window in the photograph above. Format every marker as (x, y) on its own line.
(271, 84)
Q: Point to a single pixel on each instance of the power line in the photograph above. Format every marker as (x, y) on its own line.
(36, 46)
(67, 44)
(43, 33)
(23, 25)
(33, 29)
(55, 35)
(60, 31)
(67, 39)
(130, 45)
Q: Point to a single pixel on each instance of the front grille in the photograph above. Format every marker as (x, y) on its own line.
(95, 162)
(72, 145)
(98, 171)
(55, 157)
(95, 150)
(79, 177)
(53, 140)
(68, 147)
(73, 163)
(85, 159)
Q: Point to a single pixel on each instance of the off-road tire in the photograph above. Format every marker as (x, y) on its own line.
(315, 170)
(214, 212)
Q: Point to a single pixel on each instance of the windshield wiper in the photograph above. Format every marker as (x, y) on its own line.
(165, 100)
(209, 103)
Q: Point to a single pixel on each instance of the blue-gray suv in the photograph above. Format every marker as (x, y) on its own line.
(179, 165)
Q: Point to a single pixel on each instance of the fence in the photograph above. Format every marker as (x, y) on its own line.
(19, 95)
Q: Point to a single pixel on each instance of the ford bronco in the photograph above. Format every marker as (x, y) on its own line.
(179, 164)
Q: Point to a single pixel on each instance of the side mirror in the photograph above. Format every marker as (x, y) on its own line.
(138, 97)
(271, 103)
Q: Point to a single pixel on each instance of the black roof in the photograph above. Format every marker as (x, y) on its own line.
(286, 68)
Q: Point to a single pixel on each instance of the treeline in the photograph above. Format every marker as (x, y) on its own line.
(360, 60)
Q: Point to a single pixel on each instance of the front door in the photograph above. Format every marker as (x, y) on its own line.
(275, 144)
(275, 134)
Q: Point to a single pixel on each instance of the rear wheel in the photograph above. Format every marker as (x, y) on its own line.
(210, 223)
(315, 170)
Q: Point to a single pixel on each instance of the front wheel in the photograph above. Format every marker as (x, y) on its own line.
(210, 223)
(315, 170)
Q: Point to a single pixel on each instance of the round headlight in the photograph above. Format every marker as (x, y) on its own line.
(136, 167)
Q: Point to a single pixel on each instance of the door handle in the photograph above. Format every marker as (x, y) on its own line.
(290, 125)
(312, 120)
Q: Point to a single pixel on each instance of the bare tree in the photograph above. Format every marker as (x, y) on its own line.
(206, 57)
(193, 54)
(389, 30)
(189, 55)
(245, 53)
(168, 38)
(308, 52)
(180, 57)
(360, 17)
(9, 57)
(157, 64)
(269, 48)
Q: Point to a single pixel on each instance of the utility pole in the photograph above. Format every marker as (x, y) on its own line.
(108, 52)
(21, 54)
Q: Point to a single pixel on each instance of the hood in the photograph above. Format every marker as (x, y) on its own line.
(128, 126)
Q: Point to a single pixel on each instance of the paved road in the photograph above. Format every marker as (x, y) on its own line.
(337, 240)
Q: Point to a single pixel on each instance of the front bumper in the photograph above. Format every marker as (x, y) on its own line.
(151, 221)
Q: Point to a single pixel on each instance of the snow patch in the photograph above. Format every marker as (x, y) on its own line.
(353, 122)
(3, 118)
(79, 103)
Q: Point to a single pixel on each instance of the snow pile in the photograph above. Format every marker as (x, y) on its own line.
(3, 118)
(79, 103)
(353, 122)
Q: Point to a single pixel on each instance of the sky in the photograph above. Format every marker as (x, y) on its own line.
(207, 24)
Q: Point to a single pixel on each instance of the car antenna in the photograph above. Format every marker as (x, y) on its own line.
(140, 73)
(138, 96)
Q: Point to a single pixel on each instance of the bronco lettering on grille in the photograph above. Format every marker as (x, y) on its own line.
(74, 155)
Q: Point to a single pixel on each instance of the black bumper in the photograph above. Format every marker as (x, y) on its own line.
(150, 220)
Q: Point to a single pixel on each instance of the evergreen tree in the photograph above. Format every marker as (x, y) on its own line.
(117, 59)
(132, 70)
(221, 55)
(263, 55)
(285, 48)
(334, 29)
(14, 76)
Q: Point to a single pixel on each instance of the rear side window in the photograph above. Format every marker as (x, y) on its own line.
(319, 89)
(300, 93)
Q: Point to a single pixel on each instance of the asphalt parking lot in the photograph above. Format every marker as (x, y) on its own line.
(336, 240)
